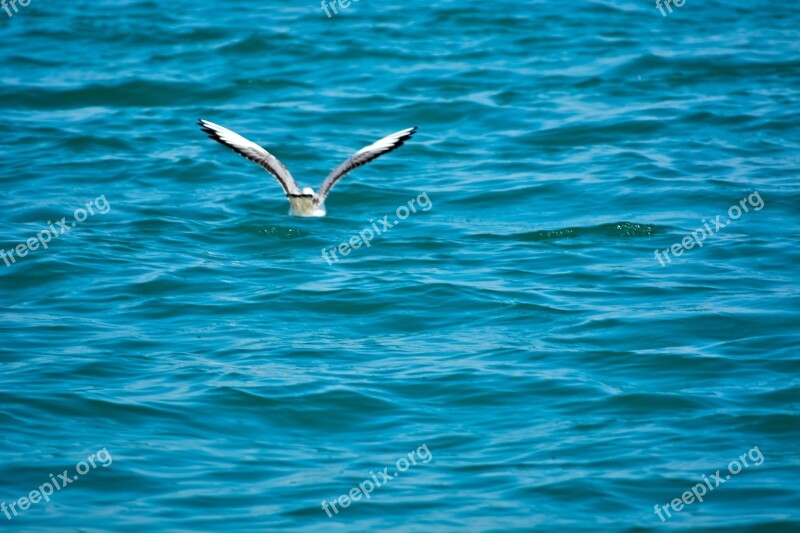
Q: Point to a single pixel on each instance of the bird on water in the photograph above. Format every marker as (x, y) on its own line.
(303, 202)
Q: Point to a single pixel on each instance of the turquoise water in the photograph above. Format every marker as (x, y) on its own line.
(518, 339)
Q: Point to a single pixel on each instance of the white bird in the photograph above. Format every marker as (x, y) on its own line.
(305, 202)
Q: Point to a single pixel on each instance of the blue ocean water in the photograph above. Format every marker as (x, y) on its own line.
(544, 345)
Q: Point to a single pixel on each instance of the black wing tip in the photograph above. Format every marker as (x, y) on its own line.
(403, 138)
(208, 131)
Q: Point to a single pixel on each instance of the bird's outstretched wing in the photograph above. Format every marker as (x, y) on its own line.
(253, 152)
(362, 157)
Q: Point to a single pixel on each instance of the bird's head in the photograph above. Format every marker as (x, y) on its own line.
(308, 190)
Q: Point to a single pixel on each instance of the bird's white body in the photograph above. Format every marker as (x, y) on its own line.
(305, 203)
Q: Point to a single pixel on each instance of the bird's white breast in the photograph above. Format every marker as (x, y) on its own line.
(304, 206)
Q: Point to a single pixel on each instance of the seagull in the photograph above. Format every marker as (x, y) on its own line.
(305, 202)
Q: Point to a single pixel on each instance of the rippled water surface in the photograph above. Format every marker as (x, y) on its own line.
(519, 338)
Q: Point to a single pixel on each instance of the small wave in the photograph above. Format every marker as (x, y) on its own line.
(614, 229)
